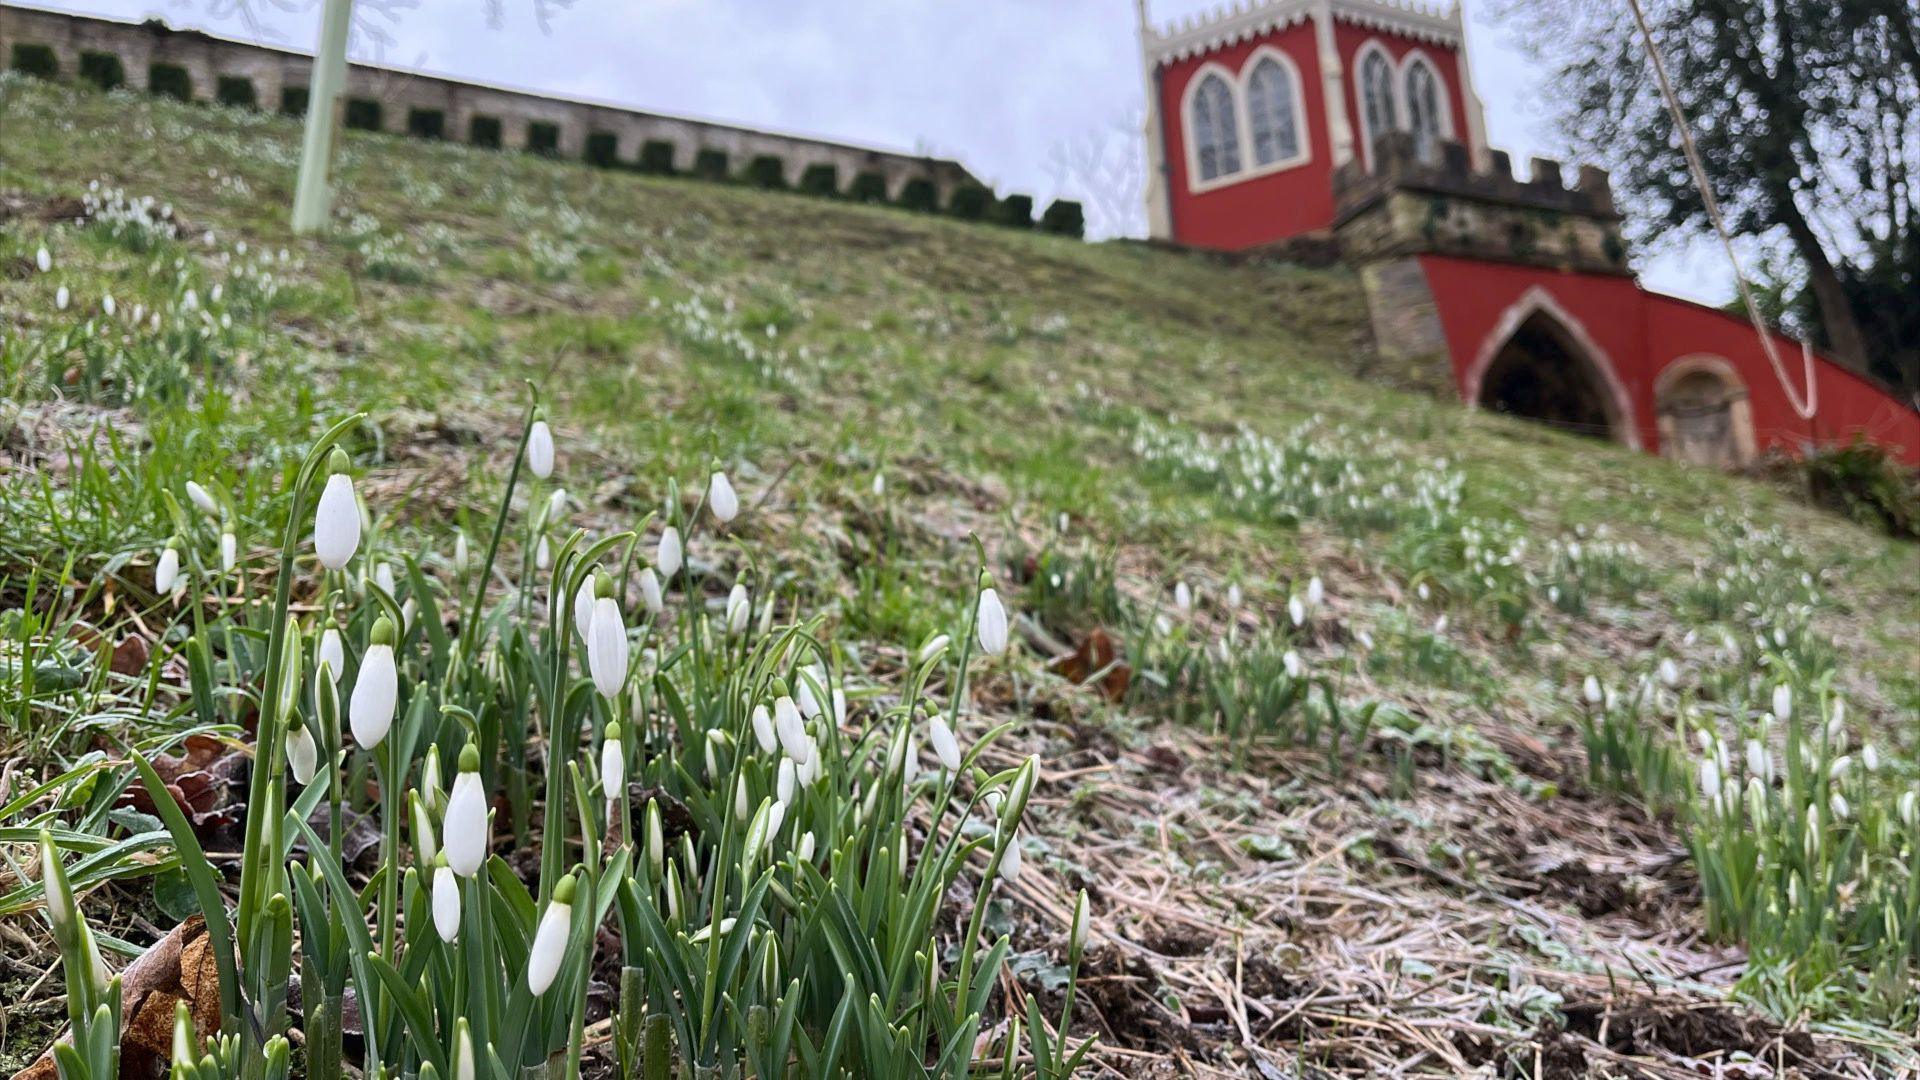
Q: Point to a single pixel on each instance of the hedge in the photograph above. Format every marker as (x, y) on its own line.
(293, 100)
(1015, 211)
(1064, 218)
(237, 91)
(656, 157)
(767, 171)
(427, 123)
(822, 178)
(970, 202)
(920, 194)
(36, 60)
(710, 164)
(103, 70)
(170, 80)
(543, 139)
(484, 131)
(363, 114)
(868, 187)
(603, 149)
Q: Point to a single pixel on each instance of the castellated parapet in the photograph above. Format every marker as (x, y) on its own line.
(1410, 205)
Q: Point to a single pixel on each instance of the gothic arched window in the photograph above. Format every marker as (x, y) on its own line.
(1215, 128)
(1379, 99)
(1426, 109)
(1272, 105)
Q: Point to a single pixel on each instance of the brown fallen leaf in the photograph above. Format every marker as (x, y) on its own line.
(1097, 653)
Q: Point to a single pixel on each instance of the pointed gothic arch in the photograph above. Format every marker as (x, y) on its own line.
(1540, 363)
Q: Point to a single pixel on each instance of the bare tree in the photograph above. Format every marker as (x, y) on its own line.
(1106, 169)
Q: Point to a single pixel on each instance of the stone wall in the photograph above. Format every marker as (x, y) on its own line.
(1441, 206)
(404, 96)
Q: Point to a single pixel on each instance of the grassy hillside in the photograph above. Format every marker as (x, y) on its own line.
(1381, 829)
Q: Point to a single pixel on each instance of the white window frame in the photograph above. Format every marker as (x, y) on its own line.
(1443, 94)
(1303, 136)
(1396, 77)
(1192, 90)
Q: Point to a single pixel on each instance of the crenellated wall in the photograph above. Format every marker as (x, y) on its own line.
(401, 94)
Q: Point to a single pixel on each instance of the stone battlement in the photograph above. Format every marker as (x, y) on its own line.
(1405, 205)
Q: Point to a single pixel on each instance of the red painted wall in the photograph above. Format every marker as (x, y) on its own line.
(1640, 333)
(1265, 208)
(1350, 39)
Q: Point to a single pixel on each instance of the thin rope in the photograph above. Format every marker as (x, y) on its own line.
(1811, 404)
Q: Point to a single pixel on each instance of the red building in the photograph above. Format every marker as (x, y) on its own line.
(1356, 121)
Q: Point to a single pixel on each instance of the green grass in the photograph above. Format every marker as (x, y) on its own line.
(1190, 420)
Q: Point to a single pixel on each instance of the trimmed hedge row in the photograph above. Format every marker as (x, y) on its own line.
(968, 202)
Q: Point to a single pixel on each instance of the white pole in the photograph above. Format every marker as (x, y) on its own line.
(313, 197)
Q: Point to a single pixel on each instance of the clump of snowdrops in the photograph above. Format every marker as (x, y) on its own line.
(774, 867)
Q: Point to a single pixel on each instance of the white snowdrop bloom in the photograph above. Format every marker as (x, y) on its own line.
(1233, 595)
(1838, 770)
(383, 577)
(1316, 592)
(739, 609)
(1296, 610)
(839, 707)
(43, 259)
(332, 654)
(1783, 701)
(336, 522)
(1010, 862)
(166, 572)
(790, 729)
(446, 903)
(1870, 758)
(613, 759)
(461, 557)
(583, 608)
(1838, 804)
(229, 551)
(783, 781)
(189, 300)
(1365, 639)
(376, 691)
(808, 769)
(1423, 592)
(542, 554)
(879, 485)
(776, 817)
(1440, 625)
(550, 940)
(667, 555)
(992, 629)
(763, 729)
(464, 827)
(61, 297)
(650, 591)
(540, 449)
(1710, 779)
(935, 646)
(1591, 690)
(303, 758)
(721, 498)
(740, 807)
(1077, 932)
(945, 746)
(805, 848)
(1759, 761)
(607, 647)
(803, 684)
(59, 895)
(1294, 665)
(1669, 672)
(1910, 809)
(557, 504)
(1183, 596)
(107, 305)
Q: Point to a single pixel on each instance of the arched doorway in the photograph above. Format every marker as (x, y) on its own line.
(1540, 364)
(1703, 415)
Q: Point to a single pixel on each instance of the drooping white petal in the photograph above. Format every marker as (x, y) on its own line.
(739, 608)
(203, 499)
(333, 654)
(722, 499)
(607, 647)
(667, 555)
(791, 730)
(650, 591)
(464, 830)
(613, 766)
(1011, 861)
(542, 554)
(549, 947)
(1297, 610)
(945, 746)
(446, 904)
(375, 693)
(1183, 596)
(763, 729)
(303, 757)
(1591, 690)
(336, 523)
(992, 631)
(1316, 592)
(540, 449)
(805, 848)
(229, 551)
(583, 608)
(166, 572)
(783, 781)
(1783, 702)
(61, 298)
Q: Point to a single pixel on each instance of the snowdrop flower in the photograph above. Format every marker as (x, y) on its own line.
(788, 726)
(383, 577)
(542, 554)
(667, 555)
(336, 522)
(1423, 592)
(1183, 596)
(540, 449)
(1870, 757)
(1297, 610)
(1233, 595)
(879, 485)
(1591, 690)
(613, 759)
(1710, 779)
(945, 746)
(43, 259)
(332, 654)
(992, 628)
(461, 557)
(763, 729)
(377, 690)
(61, 297)
(740, 807)
(721, 498)
(1838, 804)
(935, 646)
(1910, 809)
(1669, 672)
(1077, 934)
(803, 684)
(166, 572)
(739, 607)
(776, 817)
(446, 901)
(807, 770)
(203, 500)
(303, 758)
(1010, 862)
(550, 940)
(583, 608)
(229, 550)
(1294, 665)
(783, 781)
(839, 707)
(1783, 701)
(1316, 592)
(1365, 639)
(557, 504)
(59, 894)
(805, 850)
(1759, 761)
(464, 828)
(650, 591)
(107, 305)
(607, 645)
(1440, 625)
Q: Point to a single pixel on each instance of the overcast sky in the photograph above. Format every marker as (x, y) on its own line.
(1008, 87)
